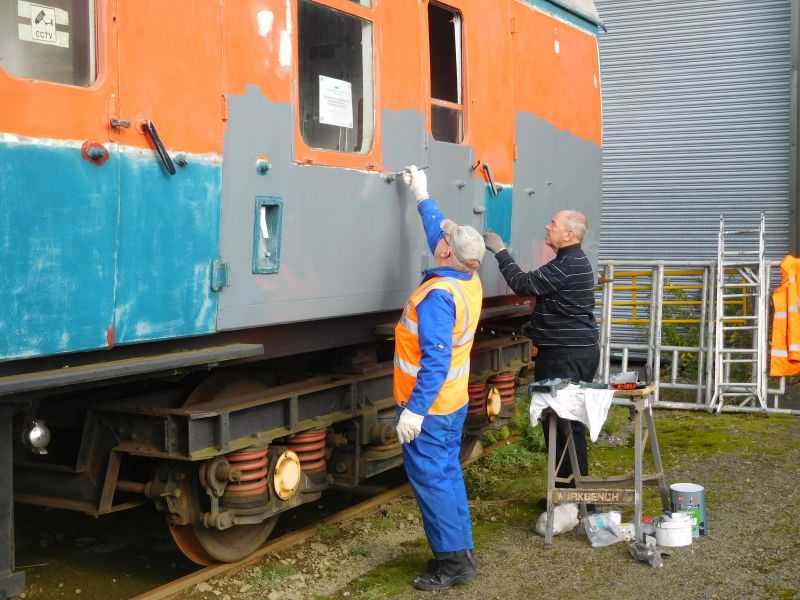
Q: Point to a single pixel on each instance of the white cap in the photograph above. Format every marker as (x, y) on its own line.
(465, 242)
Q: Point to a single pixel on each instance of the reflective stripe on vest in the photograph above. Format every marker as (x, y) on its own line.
(458, 340)
(409, 369)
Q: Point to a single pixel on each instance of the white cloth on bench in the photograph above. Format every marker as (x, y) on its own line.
(589, 406)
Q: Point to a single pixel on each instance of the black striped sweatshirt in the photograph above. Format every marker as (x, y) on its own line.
(564, 290)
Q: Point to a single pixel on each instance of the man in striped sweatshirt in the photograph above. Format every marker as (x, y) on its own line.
(563, 327)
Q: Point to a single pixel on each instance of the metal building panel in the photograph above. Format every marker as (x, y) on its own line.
(696, 111)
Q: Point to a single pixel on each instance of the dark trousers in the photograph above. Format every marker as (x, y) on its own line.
(576, 364)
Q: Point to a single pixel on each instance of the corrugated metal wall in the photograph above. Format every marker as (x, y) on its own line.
(696, 107)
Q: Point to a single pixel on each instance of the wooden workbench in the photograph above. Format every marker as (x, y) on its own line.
(625, 490)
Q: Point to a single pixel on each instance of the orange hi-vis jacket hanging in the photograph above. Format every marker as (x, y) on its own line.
(785, 354)
(468, 296)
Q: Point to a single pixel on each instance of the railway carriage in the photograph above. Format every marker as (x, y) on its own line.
(204, 243)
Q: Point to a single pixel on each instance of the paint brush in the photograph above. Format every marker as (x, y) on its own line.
(400, 173)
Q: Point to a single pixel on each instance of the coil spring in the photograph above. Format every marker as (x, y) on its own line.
(477, 398)
(252, 464)
(505, 384)
(310, 449)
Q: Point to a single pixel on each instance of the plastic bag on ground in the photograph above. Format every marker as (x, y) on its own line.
(601, 530)
(565, 518)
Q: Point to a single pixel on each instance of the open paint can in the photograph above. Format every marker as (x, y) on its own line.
(675, 530)
(691, 498)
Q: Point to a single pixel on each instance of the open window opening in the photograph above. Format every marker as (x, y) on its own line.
(447, 102)
(335, 79)
(267, 235)
(49, 41)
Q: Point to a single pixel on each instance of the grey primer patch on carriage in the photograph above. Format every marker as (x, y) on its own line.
(562, 171)
(350, 242)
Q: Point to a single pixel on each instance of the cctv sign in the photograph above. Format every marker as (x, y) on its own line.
(38, 24)
(43, 24)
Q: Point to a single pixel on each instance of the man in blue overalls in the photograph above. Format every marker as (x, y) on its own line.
(431, 371)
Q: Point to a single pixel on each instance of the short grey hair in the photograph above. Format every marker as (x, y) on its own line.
(468, 266)
(577, 223)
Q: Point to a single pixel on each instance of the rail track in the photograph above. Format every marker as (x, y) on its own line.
(298, 536)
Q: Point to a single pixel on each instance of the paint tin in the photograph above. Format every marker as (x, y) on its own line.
(674, 531)
(691, 498)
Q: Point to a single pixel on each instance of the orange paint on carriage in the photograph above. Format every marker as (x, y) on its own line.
(171, 73)
(561, 87)
(489, 82)
(53, 110)
(254, 29)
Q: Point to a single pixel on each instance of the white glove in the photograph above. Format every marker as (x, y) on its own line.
(409, 426)
(494, 243)
(417, 181)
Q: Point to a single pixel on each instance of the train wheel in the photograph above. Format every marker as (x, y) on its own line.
(470, 448)
(207, 546)
(201, 544)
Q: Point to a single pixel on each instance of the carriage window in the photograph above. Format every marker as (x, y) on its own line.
(335, 74)
(447, 103)
(50, 41)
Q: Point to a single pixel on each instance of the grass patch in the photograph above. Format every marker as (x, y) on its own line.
(327, 531)
(497, 435)
(360, 551)
(380, 522)
(531, 436)
(781, 592)
(493, 475)
(699, 434)
(618, 417)
(387, 580)
(263, 577)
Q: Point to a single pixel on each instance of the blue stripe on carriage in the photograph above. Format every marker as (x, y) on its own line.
(169, 237)
(65, 257)
(58, 217)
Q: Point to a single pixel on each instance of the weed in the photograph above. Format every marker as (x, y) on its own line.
(380, 522)
(360, 551)
(531, 436)
(494, 436)
(510, 458)
(487, 477)
(379, 592)
(262, 578)
(327, 531)
(617, 417)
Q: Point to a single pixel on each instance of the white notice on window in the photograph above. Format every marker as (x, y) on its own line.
(335, 102)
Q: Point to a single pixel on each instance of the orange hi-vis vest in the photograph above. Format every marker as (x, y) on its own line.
(468, 297)
(785, 353)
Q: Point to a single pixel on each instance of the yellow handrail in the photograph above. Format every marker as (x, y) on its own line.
(634, 287)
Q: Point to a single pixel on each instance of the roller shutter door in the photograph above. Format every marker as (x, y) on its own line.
(696, 109)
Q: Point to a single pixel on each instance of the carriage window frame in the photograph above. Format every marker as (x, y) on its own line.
(442, 76)
(66, 32)
(369, 157)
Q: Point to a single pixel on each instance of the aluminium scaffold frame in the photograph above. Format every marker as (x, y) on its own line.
(629, 288)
